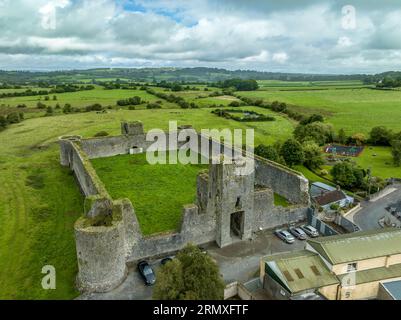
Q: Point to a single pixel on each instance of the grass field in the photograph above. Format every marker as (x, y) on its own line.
(355, 110)
(85, 98)
(158, 192)
(380, 160)
(266, 85)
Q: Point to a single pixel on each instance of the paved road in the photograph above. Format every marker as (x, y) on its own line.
(238, 262)
(367, 218)
(132, 288)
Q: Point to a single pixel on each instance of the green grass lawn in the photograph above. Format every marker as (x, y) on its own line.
(380, 160)
(355, 110)
(158, 192)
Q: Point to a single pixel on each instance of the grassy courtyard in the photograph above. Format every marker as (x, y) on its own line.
(157, 192)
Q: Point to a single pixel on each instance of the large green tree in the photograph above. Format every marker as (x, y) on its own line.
(191, 275)
(318, 132)
(313, 155)
(292, 152)
(380, 136)
(347, 175)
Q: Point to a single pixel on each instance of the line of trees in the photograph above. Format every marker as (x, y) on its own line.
(173, 99)
(276, 106)
(248, 116)
(134, 101)
(56, 89)
(238, 84)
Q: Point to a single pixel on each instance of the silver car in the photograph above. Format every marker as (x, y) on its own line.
(298, 233)
(310, 231)
(285, 236)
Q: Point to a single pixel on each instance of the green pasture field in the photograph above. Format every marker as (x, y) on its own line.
(355, 110)
(85, 98)
(158, 192)
(201, 97)
(278, 85)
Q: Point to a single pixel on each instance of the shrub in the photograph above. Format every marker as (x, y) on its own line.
(153, 106)
(267, 152)
(14, 117)
(49, 111)
(67, 108)
(234, 104)
(101, 134)
(40, 105)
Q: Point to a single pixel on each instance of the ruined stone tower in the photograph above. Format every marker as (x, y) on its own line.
(231, 197)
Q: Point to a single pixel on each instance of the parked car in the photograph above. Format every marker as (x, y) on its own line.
(147, 273)
(165, 260)
(285, 236)
(310, 231)
(297, 233)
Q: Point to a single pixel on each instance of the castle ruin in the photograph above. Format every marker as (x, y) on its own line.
(230, 206)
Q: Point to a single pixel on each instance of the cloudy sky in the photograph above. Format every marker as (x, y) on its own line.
(288, 35)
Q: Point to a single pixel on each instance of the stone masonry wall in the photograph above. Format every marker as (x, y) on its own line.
(196, 228)
(284, 182)
(103, 251)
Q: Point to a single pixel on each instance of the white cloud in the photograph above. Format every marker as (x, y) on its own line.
(302, 36)
(280, 57)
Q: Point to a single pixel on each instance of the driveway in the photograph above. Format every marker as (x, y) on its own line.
(237, 262)
(240, 261)
(133, 288)
(368, 217)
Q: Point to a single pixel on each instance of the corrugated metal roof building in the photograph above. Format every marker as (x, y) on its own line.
(350, 266)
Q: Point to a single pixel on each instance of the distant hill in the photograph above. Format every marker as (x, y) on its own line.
(200, 74)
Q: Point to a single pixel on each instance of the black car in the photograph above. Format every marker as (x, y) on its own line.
(147, 273)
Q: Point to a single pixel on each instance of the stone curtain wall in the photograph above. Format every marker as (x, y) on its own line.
(195, 228)
(104, 251)
(72, 156)
(284, 182)
(268, 216)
